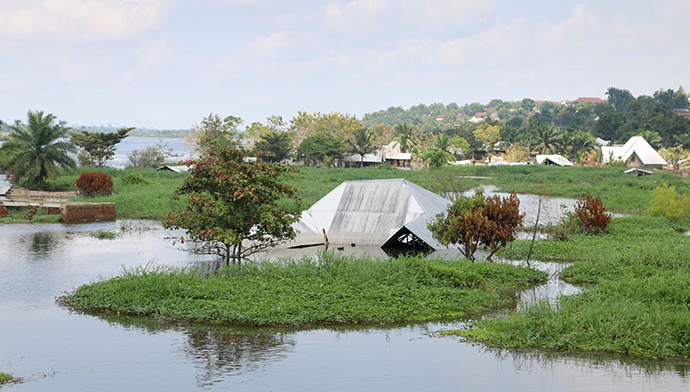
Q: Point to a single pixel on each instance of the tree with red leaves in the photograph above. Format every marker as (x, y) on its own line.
(476, 221)
(232, 203)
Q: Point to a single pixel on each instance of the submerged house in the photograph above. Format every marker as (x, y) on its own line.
(555, 159)
(382, 213)
(636, 152)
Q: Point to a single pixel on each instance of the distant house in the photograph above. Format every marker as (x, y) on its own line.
(587, 99)
(636, 152)
(173, 168)
(394, 155)
(555, 159)
(372, 159)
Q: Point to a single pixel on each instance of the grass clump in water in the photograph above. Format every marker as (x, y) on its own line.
(326, 289)
(4, 377)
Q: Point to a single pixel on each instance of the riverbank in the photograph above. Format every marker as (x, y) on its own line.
(327, 289)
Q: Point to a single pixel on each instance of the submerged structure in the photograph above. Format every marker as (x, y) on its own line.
(636, 152)
(382, 213)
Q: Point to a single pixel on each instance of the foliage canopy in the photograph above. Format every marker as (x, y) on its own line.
(232, 203)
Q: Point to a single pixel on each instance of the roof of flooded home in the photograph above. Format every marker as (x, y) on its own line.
(635, 145)
(372, 213)
(554, 159)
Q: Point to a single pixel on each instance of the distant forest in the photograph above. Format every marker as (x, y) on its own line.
(516, 127)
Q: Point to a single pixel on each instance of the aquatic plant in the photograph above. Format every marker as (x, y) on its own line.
(592, 214)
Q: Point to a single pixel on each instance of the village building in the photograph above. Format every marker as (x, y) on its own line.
(636, 152)
(554, 159)
(379, 213)
(390, 153)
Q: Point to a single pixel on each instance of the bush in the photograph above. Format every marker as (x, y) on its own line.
(675, 207)
(135, 179)
(592, 214)
(95, 183)
(150, 156)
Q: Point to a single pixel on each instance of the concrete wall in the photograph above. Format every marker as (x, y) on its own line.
(88, 212)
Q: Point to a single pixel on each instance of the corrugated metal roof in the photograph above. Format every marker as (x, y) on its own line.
(636, 145)
(369, 213)
(555, 159)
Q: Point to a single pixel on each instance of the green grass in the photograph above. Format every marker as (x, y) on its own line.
(329, 289)
(18, 215)
(145, 193)
(148, 199)
(639, 305)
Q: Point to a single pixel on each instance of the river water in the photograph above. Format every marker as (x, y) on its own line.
(55, 349)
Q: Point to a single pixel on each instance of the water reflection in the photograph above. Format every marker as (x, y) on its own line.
(41, 244)
(217, 351)
(111, 352)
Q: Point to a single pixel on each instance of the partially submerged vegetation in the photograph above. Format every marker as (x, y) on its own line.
(325, 289)
(638, 302)
(4, 377)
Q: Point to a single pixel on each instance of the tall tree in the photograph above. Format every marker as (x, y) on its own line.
(98, 147)
(215, 130)
(544, 137)
(403, 135)
(232, 204)
(320, 149)
(362, 144)
(35, 151)
(488, 134)
(275, 146)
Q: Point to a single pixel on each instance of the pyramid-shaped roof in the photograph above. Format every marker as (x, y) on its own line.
(636, 145)
(371, 213)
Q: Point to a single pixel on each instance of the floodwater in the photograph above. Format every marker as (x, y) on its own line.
(55, 349)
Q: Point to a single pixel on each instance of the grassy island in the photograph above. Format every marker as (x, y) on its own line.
(328, 289)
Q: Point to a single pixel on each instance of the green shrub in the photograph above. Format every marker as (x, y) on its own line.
(135, 179)
(669, 203)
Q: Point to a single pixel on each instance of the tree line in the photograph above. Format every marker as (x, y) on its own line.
(434, 134)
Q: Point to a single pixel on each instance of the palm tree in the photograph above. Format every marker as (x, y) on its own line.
(35, 151)
(442, 144)
(363, 144)
(544, 137)
(403, 135)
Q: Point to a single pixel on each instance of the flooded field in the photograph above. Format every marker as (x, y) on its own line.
(55, 349)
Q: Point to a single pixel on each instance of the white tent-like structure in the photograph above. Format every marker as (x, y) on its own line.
(554, 159)
(636, 152)
(383, 213)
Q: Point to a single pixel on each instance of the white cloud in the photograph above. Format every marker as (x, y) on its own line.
(79, 21)
(368, 6)
(454, 8)
(580, 26)
(499, 40)
(270, 44)
(333, 10)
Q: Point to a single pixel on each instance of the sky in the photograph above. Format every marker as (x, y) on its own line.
(167, 64)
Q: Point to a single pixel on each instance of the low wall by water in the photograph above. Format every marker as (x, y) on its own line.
(72, 212)
(87, 212)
